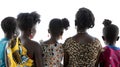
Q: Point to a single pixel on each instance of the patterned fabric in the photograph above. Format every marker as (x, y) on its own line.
(17, 55)
(3, 44)
(110, 56)
(80, 54)
(52, 54)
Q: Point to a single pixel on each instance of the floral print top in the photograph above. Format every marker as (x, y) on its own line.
(80, 54)
(52, 54)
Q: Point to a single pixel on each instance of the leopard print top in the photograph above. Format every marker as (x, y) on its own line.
(80, 54)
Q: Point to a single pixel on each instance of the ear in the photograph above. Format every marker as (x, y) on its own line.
(117, 38)
(103, 38)
(48, 30)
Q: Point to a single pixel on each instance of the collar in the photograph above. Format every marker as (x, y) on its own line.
(114, 47)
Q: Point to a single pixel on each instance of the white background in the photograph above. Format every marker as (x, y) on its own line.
(48, 9)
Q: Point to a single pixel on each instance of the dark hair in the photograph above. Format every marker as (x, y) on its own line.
(8, 25)
(84, 19)
(27, 20)
(110, 31)
(56, 26)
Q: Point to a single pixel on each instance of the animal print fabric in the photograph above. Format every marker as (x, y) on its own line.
(80, 54)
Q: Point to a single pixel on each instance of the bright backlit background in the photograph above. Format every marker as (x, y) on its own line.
(49, 9)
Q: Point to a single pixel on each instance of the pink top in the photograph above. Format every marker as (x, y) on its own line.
(110, 57)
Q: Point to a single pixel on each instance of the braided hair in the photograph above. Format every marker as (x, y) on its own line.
(84, 19)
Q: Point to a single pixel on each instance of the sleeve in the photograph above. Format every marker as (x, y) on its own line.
(99, 47)
(61, 53)
(66, 56)
(6, 58)
(101, 58)
(66, 44)
(38, 56)
(101, 54)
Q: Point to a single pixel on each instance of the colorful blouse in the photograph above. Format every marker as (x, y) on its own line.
(80, 54)
(110, 56)
(52, 54)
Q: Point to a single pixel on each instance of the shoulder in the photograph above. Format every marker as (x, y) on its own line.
(96, 41)
(67, 42)
(3, 42)
(96, 44)
(35, 44)
(105, 51)
(68, 39)
(59, 45)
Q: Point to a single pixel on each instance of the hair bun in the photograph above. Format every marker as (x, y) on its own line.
(35, 16)
(107, 22)
(65, 23)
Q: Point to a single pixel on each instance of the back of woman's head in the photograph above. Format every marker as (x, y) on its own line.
(56, 26)
(8, 25)
(27, 20)
(110, 31)
(84, 19)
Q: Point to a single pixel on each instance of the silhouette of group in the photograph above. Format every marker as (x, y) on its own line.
(17, 49)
